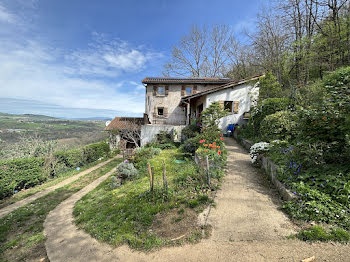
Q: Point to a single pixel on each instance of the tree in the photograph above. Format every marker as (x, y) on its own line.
(212, 115)
(269, 87)
(201, 53)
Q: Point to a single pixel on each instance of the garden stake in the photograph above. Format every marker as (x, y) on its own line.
(165, 181)
(150, 176)
(208, 171)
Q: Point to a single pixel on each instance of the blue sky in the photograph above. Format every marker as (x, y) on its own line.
(94, 53)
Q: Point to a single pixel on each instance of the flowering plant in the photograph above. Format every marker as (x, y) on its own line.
(258, 148)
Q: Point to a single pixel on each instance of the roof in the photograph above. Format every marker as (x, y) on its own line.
(125, 123)
(186, 80)
(222, 87)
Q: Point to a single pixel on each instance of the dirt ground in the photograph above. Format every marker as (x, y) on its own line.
(247, 226)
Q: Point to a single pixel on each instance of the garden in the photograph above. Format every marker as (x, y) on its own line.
(308, 136)
(155, 197)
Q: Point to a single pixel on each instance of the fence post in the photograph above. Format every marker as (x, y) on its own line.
(150, 176)
(165, 181)
(208, 170)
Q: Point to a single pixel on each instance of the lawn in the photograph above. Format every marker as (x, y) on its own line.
(21, 232)
(133, 215)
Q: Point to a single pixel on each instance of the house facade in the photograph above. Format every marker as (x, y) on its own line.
(173, 103)
(163, 97)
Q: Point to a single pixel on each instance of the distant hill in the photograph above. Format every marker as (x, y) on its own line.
(37, 108)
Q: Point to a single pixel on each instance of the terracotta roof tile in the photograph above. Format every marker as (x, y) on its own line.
(124, 123)
(188, 80)
(224, 86)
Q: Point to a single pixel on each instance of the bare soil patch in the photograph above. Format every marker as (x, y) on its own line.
(175, 224)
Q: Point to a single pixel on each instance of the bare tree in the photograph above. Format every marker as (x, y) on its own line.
(201, 53)
(270, 43)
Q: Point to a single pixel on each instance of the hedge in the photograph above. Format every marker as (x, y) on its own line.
(23, 173)
(20, 173)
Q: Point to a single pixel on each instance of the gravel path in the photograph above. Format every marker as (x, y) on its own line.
(247, 226)
(10, 208)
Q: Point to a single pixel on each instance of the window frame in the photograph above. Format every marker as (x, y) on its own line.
(188, 87)
(160, 108)
(230, 103)
(161, 94)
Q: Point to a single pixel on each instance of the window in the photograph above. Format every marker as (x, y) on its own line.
(161, 91)
(228, 106)
(188, 91)
(161, 111)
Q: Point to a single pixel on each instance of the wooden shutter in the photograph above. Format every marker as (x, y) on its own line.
(236, 107)
(222, 104)
(166, 90)
(165, 112)
(183, 90)
(154, 90)
(194, 90)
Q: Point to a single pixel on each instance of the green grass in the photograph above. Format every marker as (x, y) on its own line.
(51, 182)
(318, 233)
(125, 215)
(21, 232)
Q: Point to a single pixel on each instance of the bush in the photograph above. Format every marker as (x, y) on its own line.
(281, 125)
(190, 131)
(19, 174)
(28, 172)
(87, 154)
(126, 171)
(269, 87)
(94, 151)
(267, 107)
(337, 85)
(191, 145)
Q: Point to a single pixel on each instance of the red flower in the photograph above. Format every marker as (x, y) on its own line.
(222, 138)
(219, 152)
(210, 145)
(217, 147)
(205, 145)
(205, 150)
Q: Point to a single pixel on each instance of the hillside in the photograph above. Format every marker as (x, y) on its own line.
(14, 129)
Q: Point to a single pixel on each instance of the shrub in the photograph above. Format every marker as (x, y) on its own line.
(190, 131)
(191, 145)
(126, 170)
(71, 158)
(19, 174)
(267, 107)
(281, 125)
(337, 85)
(94, 151)
(258, 148)
(165, 137)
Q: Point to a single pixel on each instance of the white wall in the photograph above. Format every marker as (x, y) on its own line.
(149, 132)
(238, 93)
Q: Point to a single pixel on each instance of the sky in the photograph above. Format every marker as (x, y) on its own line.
(93, 54)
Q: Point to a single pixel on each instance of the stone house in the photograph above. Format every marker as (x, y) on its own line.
(172, 103)
(125, 132)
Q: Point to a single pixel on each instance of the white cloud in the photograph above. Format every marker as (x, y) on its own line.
(33, 71)
(109, 58)
(6, 16)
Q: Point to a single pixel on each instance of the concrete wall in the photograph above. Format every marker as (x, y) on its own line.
(238, 93)
(149, 132)
(176, 114)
